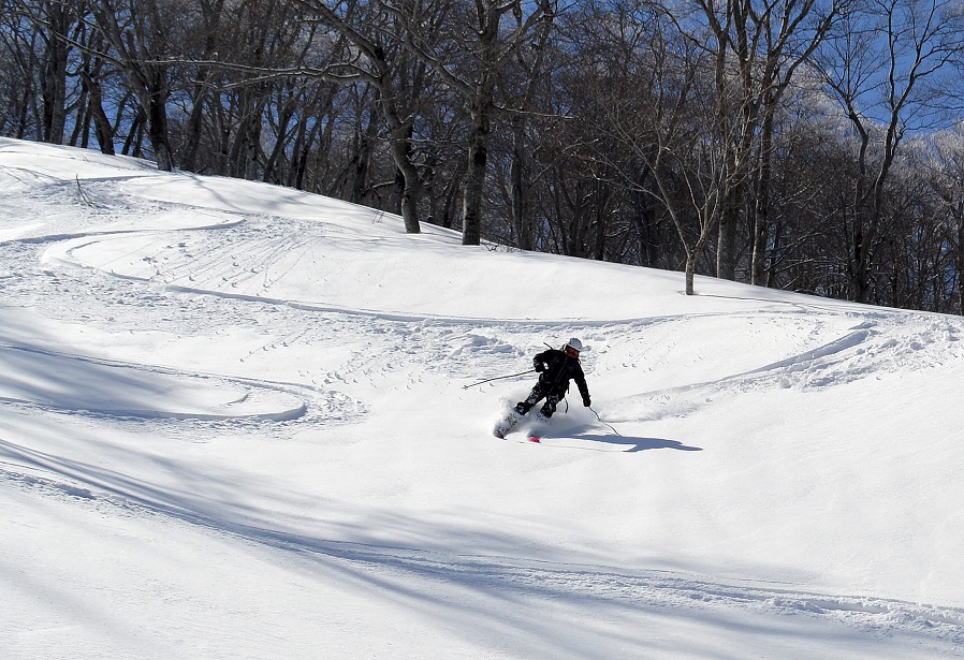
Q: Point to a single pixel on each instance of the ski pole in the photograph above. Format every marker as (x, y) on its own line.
(489, 380)
(606, 423)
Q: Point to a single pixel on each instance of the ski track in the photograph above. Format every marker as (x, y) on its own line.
(184, 290)
(869, 349)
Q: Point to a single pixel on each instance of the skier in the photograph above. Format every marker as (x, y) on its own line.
(557, 368)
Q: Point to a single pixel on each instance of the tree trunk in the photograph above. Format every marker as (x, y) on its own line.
(407, 178)
(243, 152)
(157, 131)
(602, 211)
(518, 174)
(475, 177)
(133, 133)
(726, 240)
(451, 197)
(365, 139)
(761, 207)
(81, 132)
(102, 127)
(858, 270)
(690, 271)
(192, 140)
(54, 77)
(401, 146)
(960, 266)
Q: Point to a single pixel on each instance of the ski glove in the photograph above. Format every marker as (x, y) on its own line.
(539, 366)
(586, 401)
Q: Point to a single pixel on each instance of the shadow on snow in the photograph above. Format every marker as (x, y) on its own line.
(585, 432)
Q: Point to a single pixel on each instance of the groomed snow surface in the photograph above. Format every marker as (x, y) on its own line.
(234, 424)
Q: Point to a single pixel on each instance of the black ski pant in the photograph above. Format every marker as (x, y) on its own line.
(540, 391)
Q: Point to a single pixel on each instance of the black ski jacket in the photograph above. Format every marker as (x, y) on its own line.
(557, 370)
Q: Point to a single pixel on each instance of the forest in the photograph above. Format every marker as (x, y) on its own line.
(805, 145)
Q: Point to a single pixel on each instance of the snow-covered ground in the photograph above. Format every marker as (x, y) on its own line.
(234, 424)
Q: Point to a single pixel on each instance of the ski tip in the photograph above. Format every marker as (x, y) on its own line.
(533, 438)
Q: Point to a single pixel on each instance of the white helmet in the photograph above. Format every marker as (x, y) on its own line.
(574, 344)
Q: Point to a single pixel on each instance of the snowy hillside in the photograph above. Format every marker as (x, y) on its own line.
(234, 424)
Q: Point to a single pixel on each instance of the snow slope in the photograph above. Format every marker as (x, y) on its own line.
(234, 424)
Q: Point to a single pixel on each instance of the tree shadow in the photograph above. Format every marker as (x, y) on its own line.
(476, 581)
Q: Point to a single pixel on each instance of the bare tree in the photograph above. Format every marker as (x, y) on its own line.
(20, 41)
(756, 47)
(210, 18)
(377, 57)
(141, 36)
(785, 34)
(887, 70)
(59, 19)
(529, 65)
(948, 182)
(689, 168)
(470, 62)
(52, 24)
